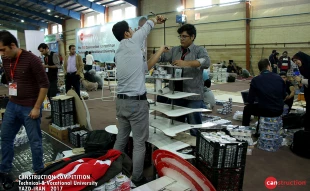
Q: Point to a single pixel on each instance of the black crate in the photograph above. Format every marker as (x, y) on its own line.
(63, 106)
(63, 119)
(76, 139)
(148, 152)
(216, 155)
(225, 179)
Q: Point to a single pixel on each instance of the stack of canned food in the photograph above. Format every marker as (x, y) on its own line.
(161, 73)
(269, 129)
(227, 107)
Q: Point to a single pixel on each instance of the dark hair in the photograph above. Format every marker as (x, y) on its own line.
(89, 52)
(282, 73)
(7, 38)
(42, 45)
(303, 57)
(285, 52)
(142, 19)
(263, 64)
(207, 83)
(119, 30)
(189, 28)
(274, 51)
(71, 46)
(277, 53)
(85, 53)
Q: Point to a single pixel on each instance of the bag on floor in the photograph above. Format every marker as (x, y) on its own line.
(294, 120)
(301, 144)
(231, 79)
(90, 86)
(98, 140)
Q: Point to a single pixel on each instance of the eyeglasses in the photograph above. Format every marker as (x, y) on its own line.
(182, 37)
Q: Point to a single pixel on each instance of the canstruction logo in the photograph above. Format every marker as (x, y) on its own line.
(84, 36)
(272, 183)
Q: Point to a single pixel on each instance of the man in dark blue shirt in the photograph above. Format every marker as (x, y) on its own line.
(274, 61)
(269, 88)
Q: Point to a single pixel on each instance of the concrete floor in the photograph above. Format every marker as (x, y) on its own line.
(283, 164)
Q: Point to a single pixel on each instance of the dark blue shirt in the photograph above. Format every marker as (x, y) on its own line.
(269, 88)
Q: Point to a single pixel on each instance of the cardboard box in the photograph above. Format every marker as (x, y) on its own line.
(59, 134)
(301, 97)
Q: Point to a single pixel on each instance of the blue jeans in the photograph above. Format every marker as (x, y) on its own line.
(193, 118)
(14, 117)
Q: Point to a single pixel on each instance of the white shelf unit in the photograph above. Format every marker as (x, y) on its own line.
(172, 130)
(172, 95)
(171, 79)
(169, 126)
(175, 111)
(173, 66)
(160, 140)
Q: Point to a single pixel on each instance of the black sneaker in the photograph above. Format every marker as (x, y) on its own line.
(140, 182)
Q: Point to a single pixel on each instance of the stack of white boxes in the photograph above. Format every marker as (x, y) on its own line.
(224, 75)
(216, 72)
(219, 74)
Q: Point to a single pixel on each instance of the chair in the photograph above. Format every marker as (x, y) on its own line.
(109, 76)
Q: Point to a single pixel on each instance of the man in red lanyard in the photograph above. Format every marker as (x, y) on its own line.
(28, 85)
(192, 59)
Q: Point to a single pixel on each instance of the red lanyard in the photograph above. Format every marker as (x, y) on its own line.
(13, 70)
(184, 54)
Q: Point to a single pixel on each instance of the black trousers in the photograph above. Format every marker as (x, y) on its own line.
(88, 67)
(253, 109)
(53, 89)
(73, 80)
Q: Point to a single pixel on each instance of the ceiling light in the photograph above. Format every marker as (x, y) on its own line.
(48, 10)
(179, 9)
(91, 0)
(22, 21)
(98, 3)
(56, 16)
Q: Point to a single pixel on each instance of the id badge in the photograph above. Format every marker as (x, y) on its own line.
(13, 89)
(46, 69)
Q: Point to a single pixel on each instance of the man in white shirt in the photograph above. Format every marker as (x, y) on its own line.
(132, 107)
(89, 61)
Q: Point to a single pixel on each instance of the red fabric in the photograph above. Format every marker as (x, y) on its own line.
(96, 168)
(284, 67)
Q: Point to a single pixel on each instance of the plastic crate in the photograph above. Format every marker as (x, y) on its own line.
(216, 155)
(77, 140)
(147, 155)
(226, 179)
(62, 105)
(63, 119)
